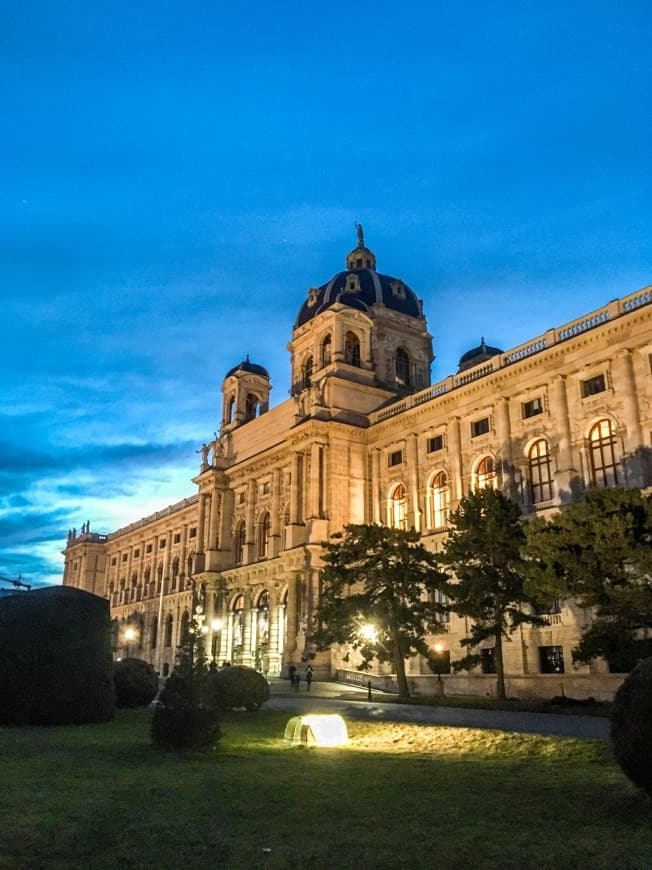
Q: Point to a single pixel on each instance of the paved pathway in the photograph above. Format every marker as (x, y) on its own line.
(348, 702)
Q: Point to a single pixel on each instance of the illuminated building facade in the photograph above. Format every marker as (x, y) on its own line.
(365, 437)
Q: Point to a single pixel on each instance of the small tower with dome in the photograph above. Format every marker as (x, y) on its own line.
(359, 340)
(245, 392)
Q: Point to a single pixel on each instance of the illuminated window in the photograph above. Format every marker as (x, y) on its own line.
(326, 353)
(398, 507)
(485, 473)
(440, 499)
(239, 543)
(252, 407)
(540, 472)
(306, 372)
(532, 408)
(434, 444)
(263, 536)
(593, 386)
(352, 349)
(402, 367)
(479, 427)
(395, 458)
(602, 451)
(551, 659)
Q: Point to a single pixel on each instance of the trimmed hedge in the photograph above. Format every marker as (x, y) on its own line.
(235, 687)
(631, 726)
(136, 683)
(56, 666)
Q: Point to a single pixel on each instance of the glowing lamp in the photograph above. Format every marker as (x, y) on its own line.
(368, 632)
(130, 634)
(216, 624)
(316, 730)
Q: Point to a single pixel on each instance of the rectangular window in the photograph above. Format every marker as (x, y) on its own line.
(176, 539)
(148, 549)
(192, 533)
(593, 386)
(551, 659)
(114, 560)
(488, 660)
(136, 553)
(266, 488)
(434, 444)
(395, 458)
(125, 556)
(241, 498)
(532, 408)
(479, 427)
(161, 544)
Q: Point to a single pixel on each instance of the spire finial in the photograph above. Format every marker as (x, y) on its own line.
(360, 232)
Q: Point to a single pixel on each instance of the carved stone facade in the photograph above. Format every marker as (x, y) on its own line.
(364, 437)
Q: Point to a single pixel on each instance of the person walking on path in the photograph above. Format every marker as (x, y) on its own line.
(292, 673)
(308, 677)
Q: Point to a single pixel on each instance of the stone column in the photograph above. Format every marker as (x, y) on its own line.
(201, 519)
(455, 459)
(295, 488)
(315, 482)
(292, 614)
(213, 520)
(375, 486)
(250, 544)
(504, 436)
(275, 520)
(226, 521)
(625, 386)
(566, 474)
(411, 455)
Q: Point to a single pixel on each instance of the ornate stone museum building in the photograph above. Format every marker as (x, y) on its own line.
(365, 437)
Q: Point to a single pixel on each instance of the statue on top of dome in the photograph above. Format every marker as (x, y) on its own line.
(360, 232)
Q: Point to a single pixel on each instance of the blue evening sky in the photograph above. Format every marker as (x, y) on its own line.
(175, 176)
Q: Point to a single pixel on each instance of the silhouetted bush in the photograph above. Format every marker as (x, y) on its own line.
(182, 719)
(235, 687)
(56, 666)
(631, 726)
(136, 683)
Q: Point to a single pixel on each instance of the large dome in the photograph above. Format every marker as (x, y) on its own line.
(360, 287)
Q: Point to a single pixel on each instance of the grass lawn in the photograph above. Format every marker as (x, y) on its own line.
(399, 796)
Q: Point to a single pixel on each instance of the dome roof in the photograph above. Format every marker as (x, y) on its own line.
(249, 368)
(360, 287)
(477, 355)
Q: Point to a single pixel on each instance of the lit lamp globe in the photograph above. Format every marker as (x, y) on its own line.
(369, 633)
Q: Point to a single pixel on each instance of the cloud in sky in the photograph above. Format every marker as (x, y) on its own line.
(173, 181)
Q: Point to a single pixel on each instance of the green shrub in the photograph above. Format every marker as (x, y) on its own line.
(631, 726)
(136, 683)
(182, 718)
(235, 687)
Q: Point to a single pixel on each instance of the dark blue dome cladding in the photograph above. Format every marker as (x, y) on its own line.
(374, 288)
(246, 366)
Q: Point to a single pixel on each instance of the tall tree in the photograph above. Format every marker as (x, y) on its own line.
(377, 595)
(489, 582)
(599, 551)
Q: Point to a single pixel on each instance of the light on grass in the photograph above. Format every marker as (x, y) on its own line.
(316, 730)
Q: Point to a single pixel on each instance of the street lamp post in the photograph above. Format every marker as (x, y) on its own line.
(130, 635)
(216, 628)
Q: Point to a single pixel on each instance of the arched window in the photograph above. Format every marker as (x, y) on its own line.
(602, 451)
(440, 499)
(540, 472)
(306, 372)
(239, 540)
(262, 627)
(230, 409)
(153, 636)
(402, 367)
(485, 473)
(252, 406)
(264, 529)
(398, 507)
(175, 571)
(185, 627)
(147, 575)
(352, 349)
(169, 630)
(326, 351)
